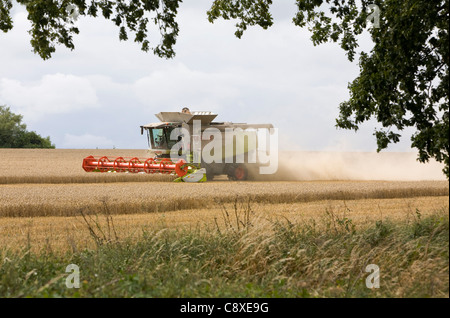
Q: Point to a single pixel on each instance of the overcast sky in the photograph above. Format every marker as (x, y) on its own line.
(99, 94)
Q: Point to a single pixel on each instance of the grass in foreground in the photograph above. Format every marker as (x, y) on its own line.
(245, 256)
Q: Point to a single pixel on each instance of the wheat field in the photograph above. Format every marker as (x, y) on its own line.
(64, 166)
(305, 237)
(30, 200)
(46, 183)
(65, 233)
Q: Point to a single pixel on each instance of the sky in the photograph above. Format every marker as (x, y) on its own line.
(98, 95)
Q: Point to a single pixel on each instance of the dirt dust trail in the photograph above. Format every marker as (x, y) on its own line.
(387, 166)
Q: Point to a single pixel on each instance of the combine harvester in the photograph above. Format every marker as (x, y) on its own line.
(193, 126)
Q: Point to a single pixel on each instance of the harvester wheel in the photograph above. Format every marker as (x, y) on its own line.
(209, 175)
(238, 172)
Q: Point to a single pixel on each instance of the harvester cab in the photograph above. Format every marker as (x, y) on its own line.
(177, 145)
(175, 128)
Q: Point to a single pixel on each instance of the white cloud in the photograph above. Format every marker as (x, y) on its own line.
(53, 94)
(86, 141)
(179, 86)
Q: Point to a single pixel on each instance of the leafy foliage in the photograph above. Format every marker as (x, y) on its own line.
(247, 11)
(53, 22)
(13, 133)
(404, 81)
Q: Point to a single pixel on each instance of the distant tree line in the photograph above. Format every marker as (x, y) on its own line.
(14, 134)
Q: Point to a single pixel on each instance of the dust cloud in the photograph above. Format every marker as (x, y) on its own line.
(388, 166)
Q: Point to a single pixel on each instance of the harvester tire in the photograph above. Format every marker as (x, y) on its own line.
(209, 175)
(238, 172)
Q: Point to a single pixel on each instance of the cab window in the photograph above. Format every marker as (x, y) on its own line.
(158, 138)
(170, 141)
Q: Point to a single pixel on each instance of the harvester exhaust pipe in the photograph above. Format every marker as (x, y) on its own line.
(134, 165)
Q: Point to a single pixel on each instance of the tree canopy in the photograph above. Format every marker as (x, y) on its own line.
(53, 21)
(403, 80)
(14, 134)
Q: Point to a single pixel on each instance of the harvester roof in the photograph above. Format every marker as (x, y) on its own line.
(177, 117)
(206, 118)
